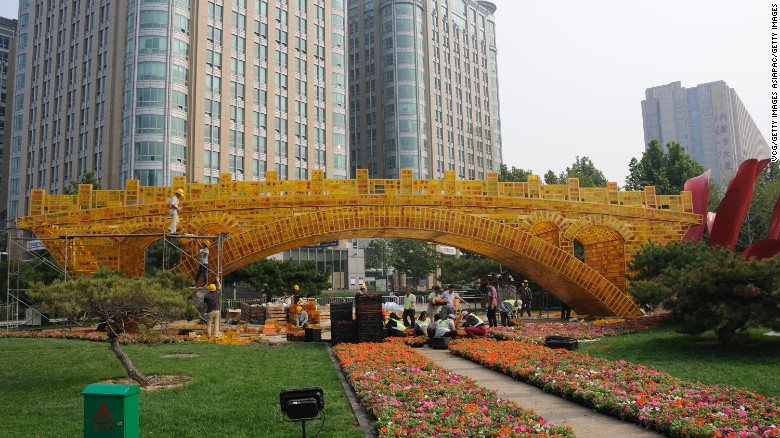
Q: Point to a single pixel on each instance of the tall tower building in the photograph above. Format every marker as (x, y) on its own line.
(709, 121)
(423, 88)
(7, 55)
(149, 90)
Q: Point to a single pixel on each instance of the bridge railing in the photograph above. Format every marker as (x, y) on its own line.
(135, 194)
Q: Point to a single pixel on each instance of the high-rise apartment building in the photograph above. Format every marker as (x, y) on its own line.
(7, 52)
(151, 89)
(423, 88)
(709, 121)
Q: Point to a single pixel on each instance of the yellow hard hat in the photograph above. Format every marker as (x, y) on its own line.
(299, 308)
(207, 243)
(362, 286)
(212, 287)
(180, 192)
(296, 287)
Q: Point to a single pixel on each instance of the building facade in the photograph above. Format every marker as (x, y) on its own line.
(709, 121)
(7, 57)
(149, 90)
(423, 88)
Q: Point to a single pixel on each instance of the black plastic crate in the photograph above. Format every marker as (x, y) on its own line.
(565, 342)
(341, 312)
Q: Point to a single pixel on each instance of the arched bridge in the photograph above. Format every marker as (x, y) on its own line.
(530, 227)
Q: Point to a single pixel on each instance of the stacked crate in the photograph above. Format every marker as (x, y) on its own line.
(342, 327)
(253, 312)
(369, 318)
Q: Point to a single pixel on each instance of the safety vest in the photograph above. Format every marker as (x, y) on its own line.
(441, 324)
(409, 301)
(423, 324)
(479, 320)
(399, 325)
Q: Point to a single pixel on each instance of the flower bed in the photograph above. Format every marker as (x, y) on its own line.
(409, 395)
(536, 332)
(635, 393)
(95, 336)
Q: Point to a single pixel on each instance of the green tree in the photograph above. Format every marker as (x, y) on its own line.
(765, 195)
(707, 289)
(513, 175)
(88, 178)
(464, 270)
(666, 170)
(378, 255)
(416, 258)
(584, 169)
(551, 178)
(117, 301)
(279, 277)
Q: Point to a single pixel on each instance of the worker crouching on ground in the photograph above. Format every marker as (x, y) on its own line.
(211, 302)
(473, 325)
(446, 327)
(394, 326)
(421, 324)
(301, 317)
(508, 309)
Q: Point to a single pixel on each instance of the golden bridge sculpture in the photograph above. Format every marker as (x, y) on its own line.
(528, 226)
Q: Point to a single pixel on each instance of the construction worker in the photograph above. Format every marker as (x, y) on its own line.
(362, 289)
(211, 302)
(527, 295)
(394, 326)
(173, 209)
(203, 258)
(301, 317)
(445, 328)
(473, 325)
(409, 301)
(296, 295)
(508, 309)
(421, 324)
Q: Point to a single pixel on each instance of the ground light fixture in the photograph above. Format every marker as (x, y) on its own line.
(301, 404)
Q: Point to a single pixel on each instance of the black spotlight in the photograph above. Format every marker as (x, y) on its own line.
(301, 404)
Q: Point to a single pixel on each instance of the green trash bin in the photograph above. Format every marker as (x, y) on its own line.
(111, 411)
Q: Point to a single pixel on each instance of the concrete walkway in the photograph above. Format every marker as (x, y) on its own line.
(585, 422)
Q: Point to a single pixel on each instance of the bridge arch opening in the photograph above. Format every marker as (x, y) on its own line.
(575, 283)
(603, 249)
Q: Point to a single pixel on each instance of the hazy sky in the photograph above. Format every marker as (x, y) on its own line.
(572, 74)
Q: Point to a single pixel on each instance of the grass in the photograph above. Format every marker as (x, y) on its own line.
(752, 364)
(235, 391)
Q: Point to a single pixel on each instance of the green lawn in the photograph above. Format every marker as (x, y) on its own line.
(754, 364)
(235, 391)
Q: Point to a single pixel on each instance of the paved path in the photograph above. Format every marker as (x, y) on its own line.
(585, 422)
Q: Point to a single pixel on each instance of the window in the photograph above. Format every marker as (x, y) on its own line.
(179, 100)
(180, 75)
(150, 97)
(148, 71)
(149, 124)
(148, 151)
(178, 127)
(154, 20)
(180, 49)
(152, 45)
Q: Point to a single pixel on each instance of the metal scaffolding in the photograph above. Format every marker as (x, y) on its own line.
(23, 259)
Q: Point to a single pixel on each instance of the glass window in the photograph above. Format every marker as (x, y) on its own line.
(149, 124)
(180, 49)
(149, 150)
(178, 127)
(146, 97)
(149, 71)
(154, 20)
(152, 45)
(180, 75)
(179, 100)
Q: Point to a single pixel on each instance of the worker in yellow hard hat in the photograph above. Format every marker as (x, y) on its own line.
(296, 295)
(173, 209)
(211, 302)
(301, 317)
(362, 289)
(203, 259)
